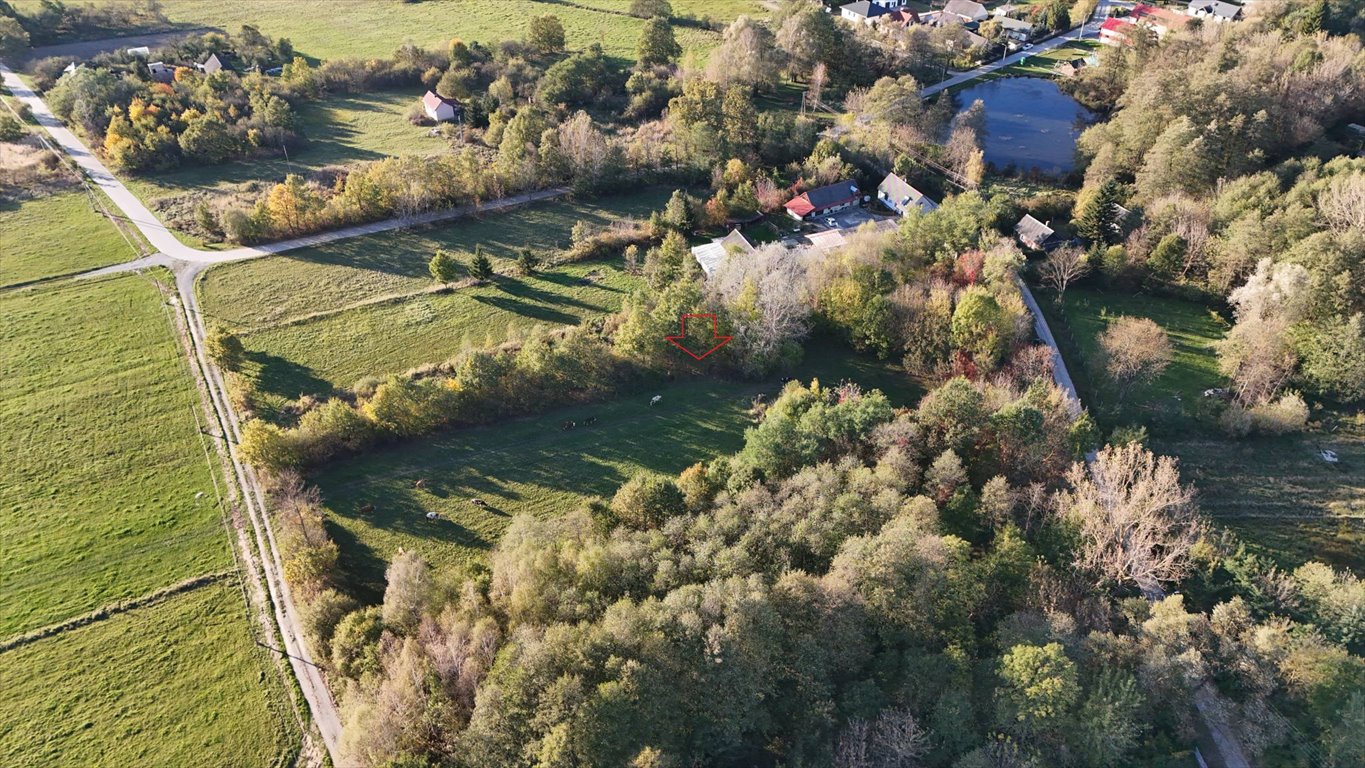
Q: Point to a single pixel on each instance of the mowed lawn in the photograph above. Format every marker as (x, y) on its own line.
(55, 235)
(532, 466)
(318, 355)
(177, 683)
(1174, 402)
(328, 29)
(265, 291)
(99, 452)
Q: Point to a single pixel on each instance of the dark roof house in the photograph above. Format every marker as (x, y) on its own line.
(862, 11)
(822, 199)
(1034, 233)
(896, 194)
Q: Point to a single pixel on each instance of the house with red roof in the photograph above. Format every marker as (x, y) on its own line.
(1116, 31)
(1159, 20)
(822, 200)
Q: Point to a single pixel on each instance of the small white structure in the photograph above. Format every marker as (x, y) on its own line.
(711, 255)
(655, 400)
(441, 109)
(1329, 456)
(141, 51)
(211, 64)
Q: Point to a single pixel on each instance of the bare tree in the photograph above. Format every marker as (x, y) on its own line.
(1135, 520)
(898, 740)
(1135, 350)
(852, 749)
(1256, 354)
(768, 296)
(818, 76)
(1343, 204)
(1062, 267)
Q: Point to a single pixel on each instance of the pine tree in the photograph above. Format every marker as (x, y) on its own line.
(444, 268)
(1099, 222)
(527, 261)
(481, 268)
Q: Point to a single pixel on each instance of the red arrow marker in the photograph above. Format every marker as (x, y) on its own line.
(718, 340)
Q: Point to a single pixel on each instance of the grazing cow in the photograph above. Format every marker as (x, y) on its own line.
(591, 420)
(420, 485)
(367, 509)
(432, 515)
(478, 502)
(655, 400)
(567, 425)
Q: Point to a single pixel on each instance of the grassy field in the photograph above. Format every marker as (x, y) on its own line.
(174, 684)
(368, 28)
(315, 355)
(1275, 492)
(55, 235)
(270, 290)
(530, 466)
(1041, 64)
(99, 453)
(1174, 403)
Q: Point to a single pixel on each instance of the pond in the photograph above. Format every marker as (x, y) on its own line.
(1030, 123)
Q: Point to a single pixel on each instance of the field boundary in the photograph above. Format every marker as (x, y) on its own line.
(113, 609)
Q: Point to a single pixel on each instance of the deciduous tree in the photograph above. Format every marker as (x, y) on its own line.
(1136, 351)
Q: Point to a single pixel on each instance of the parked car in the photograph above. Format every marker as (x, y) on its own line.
(830, 222)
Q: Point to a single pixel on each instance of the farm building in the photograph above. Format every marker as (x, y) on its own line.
(896, 194)
(441, 109)
(822, 200)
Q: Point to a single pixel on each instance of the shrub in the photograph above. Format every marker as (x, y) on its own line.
(225, 349)
(321, 617)
(1287, 414)
(646, 501)
(11, 130)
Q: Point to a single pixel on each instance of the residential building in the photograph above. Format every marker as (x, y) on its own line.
(1159, 20)
(441, 109)
(862, 12)
(713, 254)
(1035, 234)
(902, 17)
(1218, 10)
(823, 200)
(966, 10)
(896, 194)
(1015, 29)
(1117, 31)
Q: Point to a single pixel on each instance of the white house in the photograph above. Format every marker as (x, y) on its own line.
(1015, 29)
(896, 194)
(862, 12)
(713, 254)
(441, 109)
(1214, 9)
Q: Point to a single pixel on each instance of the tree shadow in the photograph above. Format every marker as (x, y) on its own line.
(527, 309)
(286, 378)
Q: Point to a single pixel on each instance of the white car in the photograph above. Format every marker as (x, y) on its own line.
(830, 222)
(1028, 46)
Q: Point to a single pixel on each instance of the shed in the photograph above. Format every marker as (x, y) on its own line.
(161, 71)
(213, 64)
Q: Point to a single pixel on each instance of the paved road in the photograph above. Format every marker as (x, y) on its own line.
(187, 262)
(1091, 29)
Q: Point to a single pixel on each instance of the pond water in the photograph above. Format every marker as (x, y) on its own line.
(1030, 123)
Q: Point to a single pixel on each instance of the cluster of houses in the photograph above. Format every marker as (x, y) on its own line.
(894, 194)
(1119, 30)
(162, 72)
(964, 14)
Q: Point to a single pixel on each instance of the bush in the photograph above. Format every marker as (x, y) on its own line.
(11, 130)
(1287, 414)
(225, 349)
(321, 617)
(646, 501)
